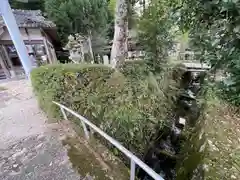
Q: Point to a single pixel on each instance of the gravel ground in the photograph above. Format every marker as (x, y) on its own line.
(29, 148)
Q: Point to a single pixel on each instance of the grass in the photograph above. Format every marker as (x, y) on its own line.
(223, 132)
(214, 151)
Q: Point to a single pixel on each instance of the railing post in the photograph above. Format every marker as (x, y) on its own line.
(64, 114)
(85, 129)
(133, 168)
(83, 124)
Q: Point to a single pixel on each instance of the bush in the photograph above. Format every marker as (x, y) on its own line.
(229, 91)
(135, 69)
(70, 84)
(127, 111)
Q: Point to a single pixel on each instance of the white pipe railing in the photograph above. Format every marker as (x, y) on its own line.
(134, 159)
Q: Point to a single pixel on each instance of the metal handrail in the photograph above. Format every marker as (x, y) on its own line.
(134, 159)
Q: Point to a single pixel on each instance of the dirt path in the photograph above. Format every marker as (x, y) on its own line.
(29, 148)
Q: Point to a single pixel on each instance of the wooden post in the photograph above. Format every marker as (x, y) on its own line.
(12, 70)
(4, 67)
(47, 50)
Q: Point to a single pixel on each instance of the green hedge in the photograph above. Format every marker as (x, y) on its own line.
(66, 84)
(127, 110)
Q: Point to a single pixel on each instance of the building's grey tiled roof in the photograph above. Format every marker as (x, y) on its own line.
(30, 18)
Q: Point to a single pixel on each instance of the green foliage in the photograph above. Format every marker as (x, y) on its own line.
(59, 82)
(229, 90)
(156, 33)
(77, 16)
(132, 15)
(214, 32)
(135, 70)
(112, 6)
(100, 41)
(127, 109)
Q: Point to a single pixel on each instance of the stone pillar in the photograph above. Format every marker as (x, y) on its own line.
(105, 60)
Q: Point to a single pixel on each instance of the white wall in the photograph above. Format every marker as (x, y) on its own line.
(34, 34)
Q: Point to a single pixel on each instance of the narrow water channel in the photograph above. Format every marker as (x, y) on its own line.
(163, 153)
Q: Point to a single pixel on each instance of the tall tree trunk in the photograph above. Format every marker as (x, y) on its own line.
(119, 47)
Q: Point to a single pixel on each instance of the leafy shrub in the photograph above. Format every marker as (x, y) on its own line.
(135, 69)
(229, 90)
(130, 111)
(70, 84)
(156, 33)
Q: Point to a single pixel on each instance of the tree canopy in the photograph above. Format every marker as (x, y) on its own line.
(77, 16)
(214, 30)
(156, 33)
